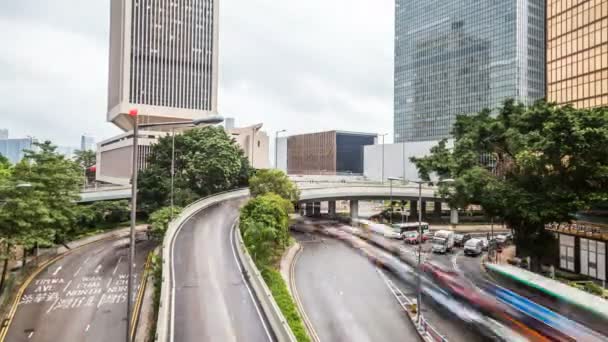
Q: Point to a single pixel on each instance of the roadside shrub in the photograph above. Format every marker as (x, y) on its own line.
(159, 221)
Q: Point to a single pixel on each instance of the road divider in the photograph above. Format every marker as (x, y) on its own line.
(140, 296)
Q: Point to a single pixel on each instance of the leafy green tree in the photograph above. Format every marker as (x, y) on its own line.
(530, 165)
(85, 159)
(207, 161)
(276, 181)
(264, 223)
(159, 221)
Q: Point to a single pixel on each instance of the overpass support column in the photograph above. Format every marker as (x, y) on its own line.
(309, 209)
(317, 208)
(331, 208)
(354, 209)
(423, 209)
(437, 209)
(414, 209)
(453, 216)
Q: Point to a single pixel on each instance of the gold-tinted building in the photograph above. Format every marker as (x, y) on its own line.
(577, 52)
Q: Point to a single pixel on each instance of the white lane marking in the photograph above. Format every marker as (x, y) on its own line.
(30, 334)
(87, 259)
(98, 268)
(116, 267)
(100, 299)
(109, 282)
(87, 328)
(52, 306)
(68, 285)
(57, 270)
(77, 271)
(236, 260)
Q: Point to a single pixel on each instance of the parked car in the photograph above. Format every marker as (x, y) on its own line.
(473, 247)
(461, 239)
(501, 239)
(485, 243)
(411, 238)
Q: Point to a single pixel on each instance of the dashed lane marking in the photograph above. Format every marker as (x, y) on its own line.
(57, 270)
(77, 271)
(87, 328)
(68, 285)
(116, 267)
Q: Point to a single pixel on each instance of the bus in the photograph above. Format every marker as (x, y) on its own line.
(410, 226)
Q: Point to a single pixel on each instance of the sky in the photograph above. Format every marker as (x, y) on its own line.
(304, 66)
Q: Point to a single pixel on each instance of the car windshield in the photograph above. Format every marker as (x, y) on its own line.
(412, 235)
(439, 240)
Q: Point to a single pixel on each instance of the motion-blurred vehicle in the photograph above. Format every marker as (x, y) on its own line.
(473, 247)
(443, 241)
(501, 239)
(485, 244)
(427, 235)
(411, 238)
(461, 239)
(410, 226)
(392, 234)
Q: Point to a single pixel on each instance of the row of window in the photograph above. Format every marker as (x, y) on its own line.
(588, 37)
(570, 8)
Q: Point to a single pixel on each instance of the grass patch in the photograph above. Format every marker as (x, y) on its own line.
(283, 298)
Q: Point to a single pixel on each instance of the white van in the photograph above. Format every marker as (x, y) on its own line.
(473, 247)
(443, 241)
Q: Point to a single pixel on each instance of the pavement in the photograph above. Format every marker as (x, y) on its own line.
(212, 300)
(344, 297)
(80, 297)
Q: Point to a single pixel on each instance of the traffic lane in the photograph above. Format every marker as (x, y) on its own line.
(345, 298)
(212, 300)
(81, 297)
(472, 269)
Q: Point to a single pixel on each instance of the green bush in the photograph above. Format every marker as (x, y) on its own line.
(276, 181)
(159, 221)
(283, 298)
(264, 224)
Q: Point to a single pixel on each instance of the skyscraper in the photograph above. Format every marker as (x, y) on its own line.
(87, 143)
(163, 60)
(3, 134)
(460, 56)
(577, 52)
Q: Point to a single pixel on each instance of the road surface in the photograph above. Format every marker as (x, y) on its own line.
(81, 297)
(212, 300)
(344, 296)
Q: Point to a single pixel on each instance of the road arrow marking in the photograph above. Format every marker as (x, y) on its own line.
(57, 270)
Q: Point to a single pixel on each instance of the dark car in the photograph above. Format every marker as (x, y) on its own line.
(461, 239)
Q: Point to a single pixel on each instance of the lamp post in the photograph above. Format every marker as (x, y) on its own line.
(276, 147)
(382, 136)
(134, 171)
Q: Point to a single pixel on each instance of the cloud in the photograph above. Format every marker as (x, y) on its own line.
(305, 66)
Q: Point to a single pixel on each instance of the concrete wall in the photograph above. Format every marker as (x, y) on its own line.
(259, 151)
(281, 162)
(394, 159)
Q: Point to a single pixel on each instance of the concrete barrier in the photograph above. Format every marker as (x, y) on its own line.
(164, 327)
(273, 313)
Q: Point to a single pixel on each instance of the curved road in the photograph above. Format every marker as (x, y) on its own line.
(344, 297)
(212, 300)
(81, 297)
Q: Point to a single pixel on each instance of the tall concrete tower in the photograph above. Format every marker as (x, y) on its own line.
(163, 60)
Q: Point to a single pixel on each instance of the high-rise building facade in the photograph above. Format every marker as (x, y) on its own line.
(87, 143)
(14, 149)
(3, 134)
(460, 56)
(163, 60)
(577, 52)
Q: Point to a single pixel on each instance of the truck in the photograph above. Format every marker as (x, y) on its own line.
(443, 241)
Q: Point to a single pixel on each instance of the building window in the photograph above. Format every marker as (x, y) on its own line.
(593, 258)
(566, 252)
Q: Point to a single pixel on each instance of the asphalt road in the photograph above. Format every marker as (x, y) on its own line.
(212, 300)
(81, 297)
(345, 298)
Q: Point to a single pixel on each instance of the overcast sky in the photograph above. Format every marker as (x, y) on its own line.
(303, 66)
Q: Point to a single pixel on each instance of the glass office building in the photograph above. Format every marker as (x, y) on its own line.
(14, 149)
(577, 52)
(460, 56)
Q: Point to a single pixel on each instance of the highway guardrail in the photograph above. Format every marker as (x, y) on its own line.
(275, 317)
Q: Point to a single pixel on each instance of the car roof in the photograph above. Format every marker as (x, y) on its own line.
(473, 240)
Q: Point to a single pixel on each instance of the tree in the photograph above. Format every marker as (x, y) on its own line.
(530, 165)
(85, 159)
(207, 161)
(159, 221)
(276, 181)
(264, 223)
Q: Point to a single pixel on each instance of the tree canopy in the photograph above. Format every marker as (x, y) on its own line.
(264, 223)
(276, 181)
(207, 161)
(85, 159)
(531, 165)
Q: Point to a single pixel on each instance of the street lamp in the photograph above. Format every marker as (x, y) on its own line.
(276, 147)
(134, 170)
(382, 136)
(390, 180)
